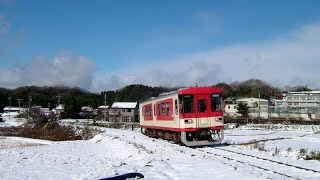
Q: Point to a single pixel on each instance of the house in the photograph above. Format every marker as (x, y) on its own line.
(58, 110)
(258, 108)
(103, 109)
(123, 112)
(12, 112)
(231, 110)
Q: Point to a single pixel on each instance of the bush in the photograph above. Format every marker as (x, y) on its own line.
(259, 146)
(276, 152)
(40, 126)
(313, 156)
(302, 153)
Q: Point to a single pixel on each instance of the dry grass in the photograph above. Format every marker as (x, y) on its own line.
(56, 133)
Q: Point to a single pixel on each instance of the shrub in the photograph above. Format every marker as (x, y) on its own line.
(313, 156)
(259, 146)
(39, 126)
(303, 152)
(276, 152)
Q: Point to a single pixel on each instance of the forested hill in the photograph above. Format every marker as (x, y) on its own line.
(76, 97)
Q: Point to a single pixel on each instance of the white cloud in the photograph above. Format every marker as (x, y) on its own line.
(289, 59)
(68, 70)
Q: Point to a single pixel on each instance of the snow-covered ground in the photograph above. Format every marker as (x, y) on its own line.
(117, 151)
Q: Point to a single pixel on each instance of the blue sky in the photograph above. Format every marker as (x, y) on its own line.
(105, 45)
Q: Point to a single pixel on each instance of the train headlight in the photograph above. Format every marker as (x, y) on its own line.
(188, 121)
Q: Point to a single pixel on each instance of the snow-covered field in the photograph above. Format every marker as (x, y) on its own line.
(117, 151)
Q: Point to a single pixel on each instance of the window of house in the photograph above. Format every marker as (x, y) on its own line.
(228, 107)
(296, 103)
(289, 103)
(127, 119)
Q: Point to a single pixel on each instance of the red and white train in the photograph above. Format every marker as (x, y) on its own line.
(191, 116)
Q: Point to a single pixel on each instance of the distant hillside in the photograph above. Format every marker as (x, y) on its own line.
(75, 98)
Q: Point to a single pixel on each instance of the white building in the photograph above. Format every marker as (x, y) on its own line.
(231, 110)
(257, 107)
(123, 112)
(11, 112)
(302, 101)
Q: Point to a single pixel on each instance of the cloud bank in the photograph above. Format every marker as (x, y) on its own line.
(67, 70)
(289, 59)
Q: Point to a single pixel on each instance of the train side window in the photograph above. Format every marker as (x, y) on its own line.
(144, 111)
(202, 105)
(216, 102)
(176, 106)
(162, 109)
(187, 103)
(154, 109)
(159, 109)
(167, 109)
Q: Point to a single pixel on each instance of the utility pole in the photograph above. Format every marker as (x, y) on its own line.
(9, 105)
(259, 106)
(19, 101)
(59, 97)
(105, 106)
(30, 99)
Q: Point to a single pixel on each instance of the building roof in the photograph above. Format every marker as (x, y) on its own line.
(303, 92)
(103, 107)
(129, 105)
(251, 100)
(60, 107)
(7, 108)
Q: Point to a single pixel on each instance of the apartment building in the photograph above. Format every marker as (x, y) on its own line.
(307, 101)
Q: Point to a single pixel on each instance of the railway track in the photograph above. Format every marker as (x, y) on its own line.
(252, 161)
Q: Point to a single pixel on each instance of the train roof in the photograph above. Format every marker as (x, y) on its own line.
(199, 90)
(191, 90)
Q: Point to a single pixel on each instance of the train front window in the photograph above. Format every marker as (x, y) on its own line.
(187, 103)
(202, 105)
(216, 102)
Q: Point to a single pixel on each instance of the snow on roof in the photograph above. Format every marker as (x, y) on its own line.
(7, 108)
(60, 107)
(251, 99)
(129, 105)
(304, 92)
(103, 107)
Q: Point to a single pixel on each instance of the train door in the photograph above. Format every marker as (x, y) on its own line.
(202, 110)
(176, 113)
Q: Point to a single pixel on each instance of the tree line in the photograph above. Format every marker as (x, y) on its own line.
(75, 98)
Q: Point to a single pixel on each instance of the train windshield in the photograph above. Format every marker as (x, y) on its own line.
(186, 103)
(216, 102)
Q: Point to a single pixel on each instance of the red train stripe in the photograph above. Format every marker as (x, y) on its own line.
(182, 129)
